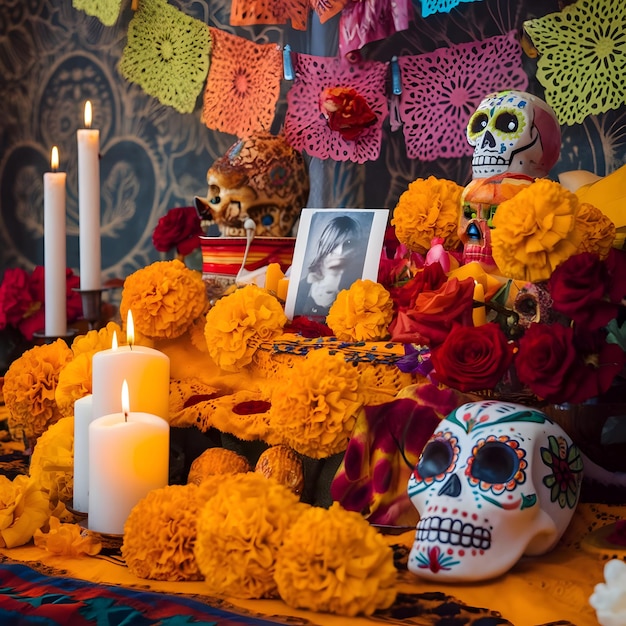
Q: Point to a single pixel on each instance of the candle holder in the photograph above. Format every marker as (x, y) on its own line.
(41, 337)
(92, 306)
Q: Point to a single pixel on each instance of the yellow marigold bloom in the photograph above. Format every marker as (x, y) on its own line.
(598, 231)
(160, 533)
(333, 561)
(240, 530)
(66, 540)
(74, 382)
(96, 340)
(361, 313)
(429, 208)
(52, 461)
(165, 298)
(24, 508)
(196, 334)
(315, 410)
(535, 231)
(239, 322)
(30, 384)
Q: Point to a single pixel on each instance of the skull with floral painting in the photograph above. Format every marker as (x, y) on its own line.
(495, 482)
(516, 132)
(260, 177)
(479, 202)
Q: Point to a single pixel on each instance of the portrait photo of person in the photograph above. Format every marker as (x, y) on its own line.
(330, 255)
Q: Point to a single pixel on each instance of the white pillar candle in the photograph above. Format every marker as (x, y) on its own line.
(146, 370)
(83, 416)
(128, 458)
(55, 285)
(89, 204)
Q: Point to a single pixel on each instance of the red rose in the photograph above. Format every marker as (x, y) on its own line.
(546, 360)
(435, 312)
(179, 228)
(578, 288)
(616, 265)
(473, 358)
(15, 298)
(347, 111)
(597, 366)
(430, 278)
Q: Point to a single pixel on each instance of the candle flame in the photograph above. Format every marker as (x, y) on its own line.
(130, 329)
(125, 400)
(88, 114)
(54, 158)
(114, 341)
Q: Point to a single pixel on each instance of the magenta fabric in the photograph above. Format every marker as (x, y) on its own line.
(441, 90)
(371, 20)
(305, 126)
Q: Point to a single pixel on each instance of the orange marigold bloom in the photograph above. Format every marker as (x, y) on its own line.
(30, 384)
(239, 323)
(315, 410)
(165, 298)
(240, 530)
(160, 533)
(361, 313)
(333, 561)
(535, 231)
(429, 208)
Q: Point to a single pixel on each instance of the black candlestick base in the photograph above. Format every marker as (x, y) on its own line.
(41, 337)
(92, 303)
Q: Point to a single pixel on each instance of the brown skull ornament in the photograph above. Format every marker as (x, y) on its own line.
(260, 178)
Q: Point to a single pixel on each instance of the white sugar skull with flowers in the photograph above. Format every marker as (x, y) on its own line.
(515, 132)
(495, 482)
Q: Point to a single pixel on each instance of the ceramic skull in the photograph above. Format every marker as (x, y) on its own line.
(261, 178)
(513, 131)
(479, 202)
(496, 481)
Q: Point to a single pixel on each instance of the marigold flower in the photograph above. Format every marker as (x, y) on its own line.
(160, 533)
(66, 540)
(74, 382)
(429, 208)
(24, 508)
(361, 313)
(315, 410)
(30, 384)
(96, 340)
(52, 461)
(165, 298)
(239, 322)
(535, 231)
(598, 231)
(240, 530)
(333, 561)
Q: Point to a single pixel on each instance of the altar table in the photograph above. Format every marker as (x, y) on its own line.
(551, 589)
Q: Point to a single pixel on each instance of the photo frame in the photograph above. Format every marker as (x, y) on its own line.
(334, 247)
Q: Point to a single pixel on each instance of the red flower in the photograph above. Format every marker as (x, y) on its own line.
(473, 358)
(545, 360)
(579, 289)
(15, 298)
(22, 300)
(179, 228)
(435, 312)
(347, 111)
(307, 328)
(430, 278)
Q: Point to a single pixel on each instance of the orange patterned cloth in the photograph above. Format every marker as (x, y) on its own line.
(250, 12)
(243, 85)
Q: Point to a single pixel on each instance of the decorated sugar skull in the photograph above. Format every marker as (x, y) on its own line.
(516, 132)
(261, 178)
(479, 202)
(496, 481)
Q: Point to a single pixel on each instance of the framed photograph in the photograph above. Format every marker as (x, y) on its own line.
(334, 247)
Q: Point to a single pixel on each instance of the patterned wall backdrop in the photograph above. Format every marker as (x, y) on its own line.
(53, 57)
